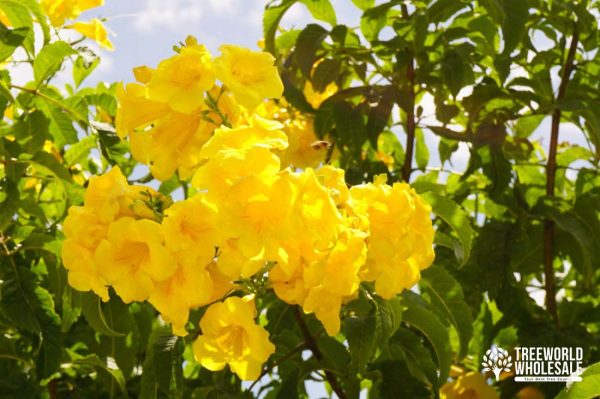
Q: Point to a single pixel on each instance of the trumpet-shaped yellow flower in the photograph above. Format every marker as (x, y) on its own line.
(471, 385)
(305, 149)
(189, 228)
(60, 10)
(173, 143)
(400, 237)
(181, 80)
(230, 336)
(133, 257)
(135, 110)
(96, 31)
(104, 193)
(250, 75)
(83, 232)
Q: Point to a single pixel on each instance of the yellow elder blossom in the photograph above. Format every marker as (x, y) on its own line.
(60, 10)
(400, 235)
(133, 257)
(181, 80)
(83, 232)
(471, 385)
(315, 98)
(96, 31)
(305, 150)
(250, 75)
(230, 336)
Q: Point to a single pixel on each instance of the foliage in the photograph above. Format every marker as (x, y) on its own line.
(503, 79)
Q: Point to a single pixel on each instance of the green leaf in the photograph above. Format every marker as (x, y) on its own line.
(527, 124)
(513, 27)
(374, 20)
(79, 151)
(379, 115)
(388, 315)
(456, 73)
(309, 41)
(350, 126)
(19, 17)
(360, 333)
(83, 68)
(363, 4)
(325, 72)
(442, 10)
(456, 218)
(422, 152)
(31, 307)
(115, 374)
(417, 357)
(10, 39)
(446, 297)
(92, 311)
(421, 318)
(588, 388)
(163, 364)
(271, 18)
(321, 10)
(49, 164)
(49, 59)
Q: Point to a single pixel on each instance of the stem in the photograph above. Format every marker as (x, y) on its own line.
(56, 102)
(312, 345)
(551, 180)
(277, 362)
(410, 114)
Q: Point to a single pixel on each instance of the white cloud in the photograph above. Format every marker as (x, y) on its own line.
(172, 14)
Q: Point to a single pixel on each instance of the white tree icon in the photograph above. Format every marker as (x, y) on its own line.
(496, 360)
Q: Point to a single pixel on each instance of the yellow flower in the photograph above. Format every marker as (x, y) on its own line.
(60, 10)
(237, 153)
(173, 143)
(191, 286)
(83, 232)
(230, 336)
(189, 228)
(471, 385)
(305, 150)
(181, 80)
(315, 98)
(104, 192)
(250, 75)
(133, 258)
(333, 178)
(394, 260)
(135, 111)
(96, 31)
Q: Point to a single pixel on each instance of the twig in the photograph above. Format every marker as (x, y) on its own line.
(551, 179)
(277, 362)
(410, 113)
(312, 345)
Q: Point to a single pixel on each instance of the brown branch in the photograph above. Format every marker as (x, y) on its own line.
(312, 345)
(410, 113)
(550, 283)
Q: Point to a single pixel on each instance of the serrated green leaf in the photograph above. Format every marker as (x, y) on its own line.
(374, 19)
(421, 150)
(19, 17)
(79, 151)
(271, 18)
(321, 10)
(115, 374)
(83, 68)
(421, 318)
(10, 39)
(325, 73)
(456, 218)
(50, 58)
(360, 333)
(587, 388)
(309, 41)
(516, 13)
(446, 298)
(92, 311)
(388, 315)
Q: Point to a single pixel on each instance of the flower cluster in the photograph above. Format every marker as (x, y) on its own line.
(251, 217)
